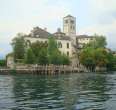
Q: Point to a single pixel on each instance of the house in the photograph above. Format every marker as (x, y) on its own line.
(41, 35)
(83, 39)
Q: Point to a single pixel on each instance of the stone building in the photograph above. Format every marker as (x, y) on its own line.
(67, 41)
(41, 35)
(81, 40)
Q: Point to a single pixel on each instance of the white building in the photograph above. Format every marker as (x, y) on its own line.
(81, 40)
(65, 40)
(41, 35)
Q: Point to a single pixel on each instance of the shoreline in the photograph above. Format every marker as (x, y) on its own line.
(41, 71)
(6, 71)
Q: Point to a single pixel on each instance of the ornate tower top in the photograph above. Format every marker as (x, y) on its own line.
(69, 25)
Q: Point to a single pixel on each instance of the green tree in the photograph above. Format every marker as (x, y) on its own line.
(18, 44)
(43, 58)
(52, 46)
(54, 55)
(114, 63)
(98, 42)
(65, 60)
(86, 58)
(2, 63)
(111, 61)
(40, 51)
(30, 57)
(100, 57)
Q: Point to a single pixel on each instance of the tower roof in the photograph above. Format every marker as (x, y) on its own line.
(68, 16)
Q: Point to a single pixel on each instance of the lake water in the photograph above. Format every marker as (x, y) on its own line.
(81, 91)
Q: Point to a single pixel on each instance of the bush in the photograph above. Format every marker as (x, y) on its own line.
(2, 63)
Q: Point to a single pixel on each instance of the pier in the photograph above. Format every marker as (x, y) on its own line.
(43, 70)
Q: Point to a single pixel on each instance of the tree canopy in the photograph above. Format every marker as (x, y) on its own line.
(18, 44)
(97, 42)
(45, 53)
(2, 63)
(95, 54)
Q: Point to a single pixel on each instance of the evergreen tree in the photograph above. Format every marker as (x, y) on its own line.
(30, 57)
(19, 47)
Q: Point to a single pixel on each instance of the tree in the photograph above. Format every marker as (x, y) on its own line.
(2, 63)
(53, 52)
(100, 57)
(86, 58)
(30, 57)
(98, 42)
(18, 44)
(40, 51)
(52, 46)
(43, 58)
(65, 60)
(92, 58)
(111, 61)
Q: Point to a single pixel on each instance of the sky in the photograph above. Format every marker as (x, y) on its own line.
(93, 16)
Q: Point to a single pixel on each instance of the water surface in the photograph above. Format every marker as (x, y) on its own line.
(81, 91)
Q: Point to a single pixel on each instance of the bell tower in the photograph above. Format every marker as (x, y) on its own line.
(69, 25)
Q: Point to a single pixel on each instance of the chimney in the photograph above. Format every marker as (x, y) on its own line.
(58, 30)
(45, 29)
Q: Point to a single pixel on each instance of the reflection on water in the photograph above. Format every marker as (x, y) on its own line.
(64, 92)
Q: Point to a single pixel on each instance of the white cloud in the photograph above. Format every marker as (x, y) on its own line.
(101, 6)
(100, 28)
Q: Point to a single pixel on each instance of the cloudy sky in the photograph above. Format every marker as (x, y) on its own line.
(93, 16)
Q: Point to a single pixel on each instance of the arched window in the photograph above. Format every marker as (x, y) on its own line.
(67, 45)
(66, 21)
(67, 53)
(59, 45)
(28, 43)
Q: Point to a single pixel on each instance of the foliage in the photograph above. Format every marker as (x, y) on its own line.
(92, 58)
(53, 52)
(18, 44)
(86, 57)
(113, 63)
(29, 57)
(37, 52)
(65, 60)
(100, 57)
(54, 55)
(40, 51)
(2, 63)
(98, 42)
(95, 54)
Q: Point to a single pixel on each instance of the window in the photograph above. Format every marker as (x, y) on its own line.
(46, 42)
(72, 21)
(67, 45)
(59, 45)
(71, 27)
(67, 53)
(66, 21)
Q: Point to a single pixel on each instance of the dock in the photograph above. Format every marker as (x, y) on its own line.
(43, 70)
